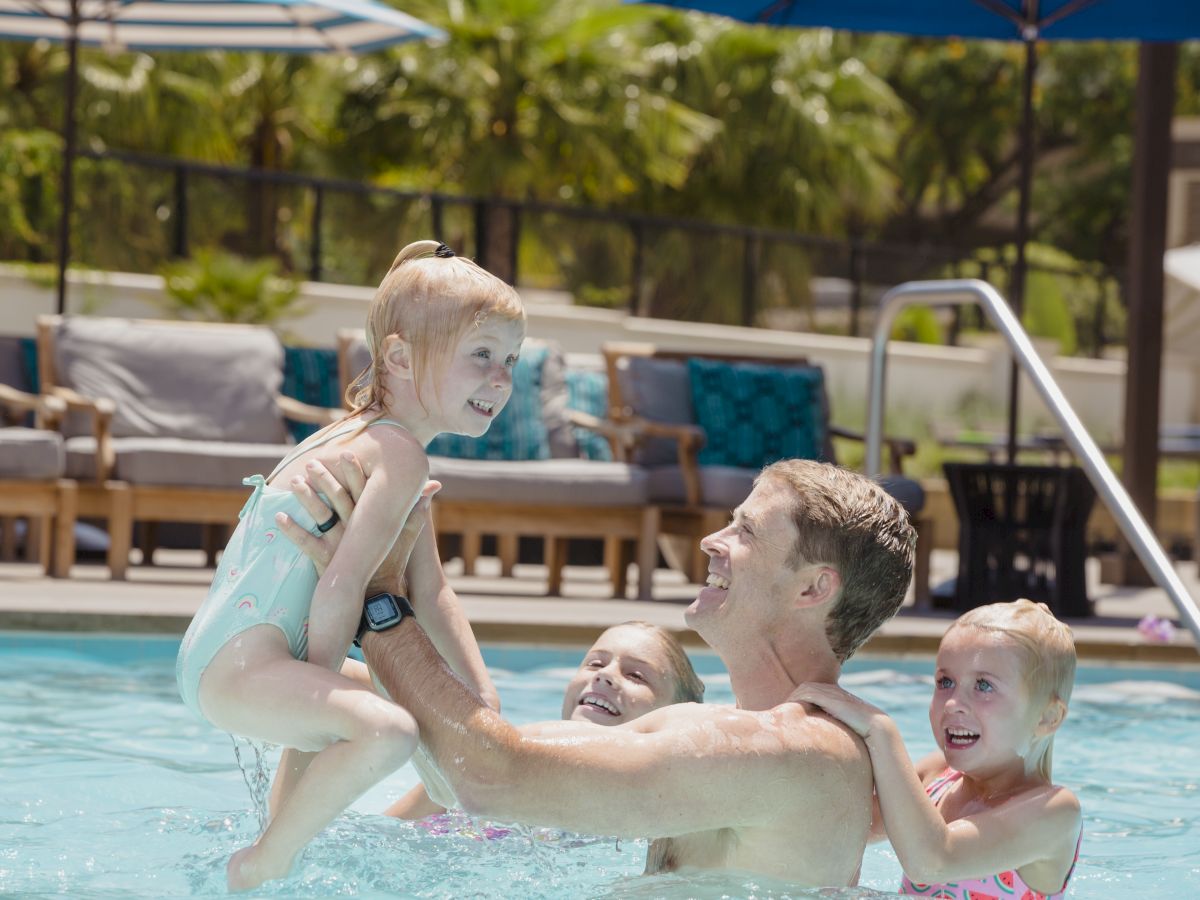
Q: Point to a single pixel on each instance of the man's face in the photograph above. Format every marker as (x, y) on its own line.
(749, 571)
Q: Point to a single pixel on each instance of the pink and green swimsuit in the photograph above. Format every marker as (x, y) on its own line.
(1004, 886)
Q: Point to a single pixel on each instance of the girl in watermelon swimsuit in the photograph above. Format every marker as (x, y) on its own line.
(984, 802)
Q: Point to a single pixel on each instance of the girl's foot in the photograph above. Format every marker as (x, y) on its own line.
(248, 869)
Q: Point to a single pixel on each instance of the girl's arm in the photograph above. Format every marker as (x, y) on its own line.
(1038, 825)
(413, 569)
(440, 613)
(391, 490)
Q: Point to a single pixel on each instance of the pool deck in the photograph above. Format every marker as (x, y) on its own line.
(162, 598)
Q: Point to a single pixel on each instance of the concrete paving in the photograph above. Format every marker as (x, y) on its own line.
(162, 599)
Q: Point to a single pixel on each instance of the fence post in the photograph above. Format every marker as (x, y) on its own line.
(749, 280)
(314, 259)
(179, 242)
(481, 230)
(435, 217)
(514, 245)
(856, 283)
(638, 230)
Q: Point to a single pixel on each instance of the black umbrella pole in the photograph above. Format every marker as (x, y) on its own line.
(1016, 291)
(68, 162)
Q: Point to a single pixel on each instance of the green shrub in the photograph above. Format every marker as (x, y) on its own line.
(215, 286)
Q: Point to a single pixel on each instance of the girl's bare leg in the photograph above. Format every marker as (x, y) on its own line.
(294, 763)
(255, 688)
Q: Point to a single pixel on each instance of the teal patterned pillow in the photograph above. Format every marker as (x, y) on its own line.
(519, 432)
(588, 392)
(310, 375)
(753, 415)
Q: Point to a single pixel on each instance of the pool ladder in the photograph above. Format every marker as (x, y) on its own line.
(963, 292)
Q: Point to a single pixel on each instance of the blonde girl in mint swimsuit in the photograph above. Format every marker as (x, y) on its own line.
(262, 656)
(979, 818)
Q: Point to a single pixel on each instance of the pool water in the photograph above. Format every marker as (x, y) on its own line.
(109, 787)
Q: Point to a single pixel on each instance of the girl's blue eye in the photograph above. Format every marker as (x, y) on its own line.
(944, 682)
(983, 684)
(484, 354)
(511, 361)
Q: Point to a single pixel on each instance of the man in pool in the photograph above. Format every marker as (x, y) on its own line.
(812, 563)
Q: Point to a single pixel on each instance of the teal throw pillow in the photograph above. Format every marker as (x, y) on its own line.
(310, 375)
(588, 392)
(519, 432)
(754, 415)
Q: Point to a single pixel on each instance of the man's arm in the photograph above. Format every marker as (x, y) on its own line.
(640, 779)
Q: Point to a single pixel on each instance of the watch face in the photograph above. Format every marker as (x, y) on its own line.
(381, 609)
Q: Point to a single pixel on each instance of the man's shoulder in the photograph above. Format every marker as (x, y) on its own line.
(793, 728)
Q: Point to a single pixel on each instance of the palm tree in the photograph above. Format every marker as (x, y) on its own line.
(526, 100)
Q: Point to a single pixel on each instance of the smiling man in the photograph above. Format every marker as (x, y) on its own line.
(812, 563)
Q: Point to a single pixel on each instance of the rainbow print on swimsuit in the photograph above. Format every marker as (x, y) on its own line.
(112, 788)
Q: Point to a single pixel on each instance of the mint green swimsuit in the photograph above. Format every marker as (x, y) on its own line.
(263, 578)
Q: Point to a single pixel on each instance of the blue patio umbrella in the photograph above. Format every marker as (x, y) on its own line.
(280, 26)
(1025, 20)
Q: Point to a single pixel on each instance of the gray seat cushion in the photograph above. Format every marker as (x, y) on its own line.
(548, 482)
(31, 453)
(728, 486)
(175, 379)
(724, 486)
(176, 462)
(659, 390)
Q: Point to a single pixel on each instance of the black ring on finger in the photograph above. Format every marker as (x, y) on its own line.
(328, 523)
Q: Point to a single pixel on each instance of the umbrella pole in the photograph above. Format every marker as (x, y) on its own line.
(68, 162)
(1016, 290)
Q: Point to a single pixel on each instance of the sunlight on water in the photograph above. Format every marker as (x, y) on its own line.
(111, 788)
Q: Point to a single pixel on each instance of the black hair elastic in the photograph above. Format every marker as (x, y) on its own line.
(443, 252)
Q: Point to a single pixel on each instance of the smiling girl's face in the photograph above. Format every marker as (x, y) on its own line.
(982, 713)
(625, 674)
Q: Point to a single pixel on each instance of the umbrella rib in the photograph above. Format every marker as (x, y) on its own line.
(322, 35)
(1068, 9)
(38, 7)
(1006, 12)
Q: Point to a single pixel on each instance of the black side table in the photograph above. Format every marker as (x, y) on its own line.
(1021, 533)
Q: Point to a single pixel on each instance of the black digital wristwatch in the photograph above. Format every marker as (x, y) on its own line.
(381, 612)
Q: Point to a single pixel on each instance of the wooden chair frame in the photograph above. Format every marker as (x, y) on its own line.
(684, 525)
(49, 505)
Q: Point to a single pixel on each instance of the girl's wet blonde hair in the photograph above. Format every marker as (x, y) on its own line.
(1047, 655)
(430, 298)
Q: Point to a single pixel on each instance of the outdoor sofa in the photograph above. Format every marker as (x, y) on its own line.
(165, 418)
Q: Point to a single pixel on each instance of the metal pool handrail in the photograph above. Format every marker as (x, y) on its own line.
(962, 292)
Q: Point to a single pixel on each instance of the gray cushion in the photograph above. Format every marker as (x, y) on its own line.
(549, 482)
(30, 453)
(724, 486)
(174, 379)
(907, 491)
(176, 462)
(661, 391)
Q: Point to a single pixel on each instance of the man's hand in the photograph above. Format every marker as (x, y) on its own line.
(859, 715)
(343, 494)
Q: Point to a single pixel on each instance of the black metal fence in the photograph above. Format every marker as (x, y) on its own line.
(340, 230)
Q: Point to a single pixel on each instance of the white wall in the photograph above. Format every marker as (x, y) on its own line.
(925, 384)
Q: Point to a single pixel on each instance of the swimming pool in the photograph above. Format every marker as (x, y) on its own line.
(109, 787)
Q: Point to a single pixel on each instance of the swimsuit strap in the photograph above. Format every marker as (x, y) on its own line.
(325, 439)
(941, 784)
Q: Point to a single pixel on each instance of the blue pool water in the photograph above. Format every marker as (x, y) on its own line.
(109, 787)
